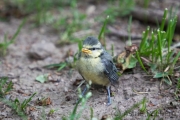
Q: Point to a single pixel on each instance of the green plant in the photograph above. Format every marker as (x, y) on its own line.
(152, 114)
(101, 33)
(82, 100)
(52, 111)
(155, 49)
(39, 8)
(5, 87)
(19, 107)
(69, 24)
(120, 116)
(177, 91)
(119, 8)
(143, 106)
(4, 45)
(60, 66)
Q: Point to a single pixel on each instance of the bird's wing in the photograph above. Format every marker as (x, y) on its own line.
(110, 69)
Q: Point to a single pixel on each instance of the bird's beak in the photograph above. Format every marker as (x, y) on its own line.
(86, 51)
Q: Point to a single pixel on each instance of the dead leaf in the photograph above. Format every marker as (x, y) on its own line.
(126, 60)
(44, 101)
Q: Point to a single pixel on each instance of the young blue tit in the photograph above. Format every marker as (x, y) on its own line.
(96, 65)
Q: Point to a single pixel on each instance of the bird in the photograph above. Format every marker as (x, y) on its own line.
(95, 64)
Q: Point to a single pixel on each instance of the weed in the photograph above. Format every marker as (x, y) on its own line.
(19, 107)
(152, 115)
(118, 8)
(101, 34)
(52, 111)
(60, 66)
(70, 24)
(155, 49)
(5, 44)
(120, 116)
(143, 106)
(82, 100)
(5, 87)
(177, 91)
(37, 7)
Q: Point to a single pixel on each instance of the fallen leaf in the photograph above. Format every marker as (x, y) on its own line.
(42, 78)
(44, 101)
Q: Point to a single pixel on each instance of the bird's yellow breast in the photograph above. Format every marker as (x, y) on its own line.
(92, 70)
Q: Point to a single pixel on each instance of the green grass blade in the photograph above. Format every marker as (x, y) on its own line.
(80, 45)
(170, 34)
(63, 65)
(144, 39)
(28, 100)
(152, 46)
(164, 19)
(175, 59)
(92, 113)
(140, 61)
(103, 28)
(129, 110)
(160, 45)
(17, 31)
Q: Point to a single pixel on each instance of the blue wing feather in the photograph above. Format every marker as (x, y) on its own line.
(110, 69)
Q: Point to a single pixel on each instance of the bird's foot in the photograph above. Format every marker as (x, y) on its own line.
(108, 101)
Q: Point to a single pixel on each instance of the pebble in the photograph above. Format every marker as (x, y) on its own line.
(42, 50)
(56, 84)
(14, 80)
(91, 9)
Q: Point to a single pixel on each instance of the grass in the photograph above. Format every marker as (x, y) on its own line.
(19, 107)
(39, 8)
(75, 115)
(155, 49)
(177, 91)
(119, 8)
(52, 111)
(120, 116)
(6, 42)
(5, 86)
(16, 105)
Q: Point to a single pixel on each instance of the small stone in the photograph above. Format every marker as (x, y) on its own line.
(70, 59)
(65, 89)
(42, 50)
(14, 80)
(56, 84)
(91, 9)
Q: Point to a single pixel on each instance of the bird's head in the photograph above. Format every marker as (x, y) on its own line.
(91, 47)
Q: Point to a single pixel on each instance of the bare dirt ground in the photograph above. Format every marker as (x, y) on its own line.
(133, 86)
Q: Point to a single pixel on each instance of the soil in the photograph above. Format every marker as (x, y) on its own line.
(23, 68)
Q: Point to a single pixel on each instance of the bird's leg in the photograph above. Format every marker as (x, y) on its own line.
(108, 88)
(83, 93)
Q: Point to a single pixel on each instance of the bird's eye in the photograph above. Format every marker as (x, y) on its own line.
(92, 48)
